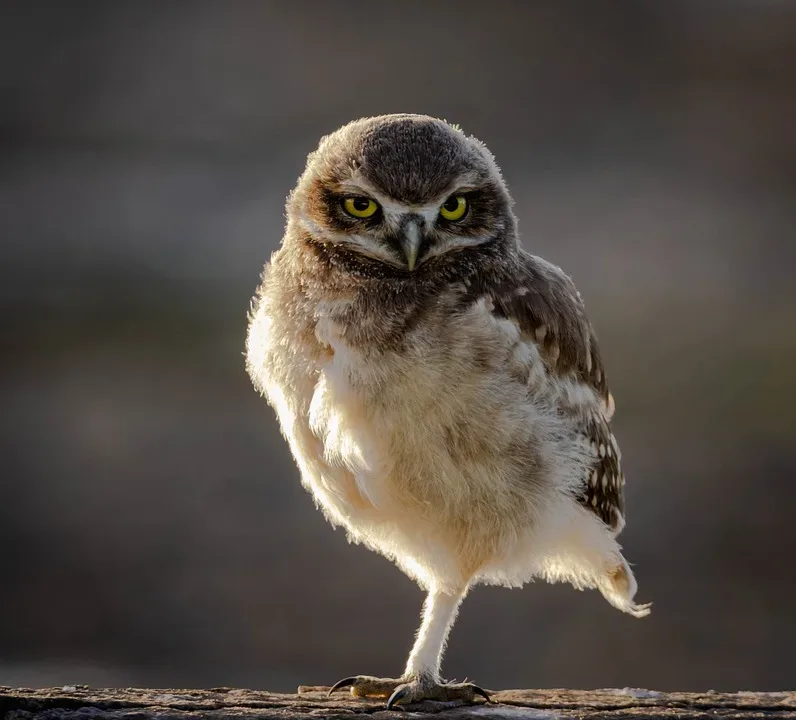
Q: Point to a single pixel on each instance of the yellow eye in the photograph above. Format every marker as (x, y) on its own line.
(454, 208)
(360, 207)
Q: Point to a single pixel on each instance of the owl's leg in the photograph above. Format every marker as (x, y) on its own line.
(421, 679)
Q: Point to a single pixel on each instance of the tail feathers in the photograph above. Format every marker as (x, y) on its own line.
(619, 588)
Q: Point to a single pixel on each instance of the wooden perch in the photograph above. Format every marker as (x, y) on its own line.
(83, 703)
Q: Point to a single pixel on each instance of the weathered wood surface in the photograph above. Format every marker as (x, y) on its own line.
(84, 703)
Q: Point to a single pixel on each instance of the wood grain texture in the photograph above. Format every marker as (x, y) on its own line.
(84, 703)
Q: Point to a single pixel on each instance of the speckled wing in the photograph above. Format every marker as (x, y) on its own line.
(548, 309)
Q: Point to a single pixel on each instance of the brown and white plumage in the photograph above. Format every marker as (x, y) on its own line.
(441, 389)
(546, 306)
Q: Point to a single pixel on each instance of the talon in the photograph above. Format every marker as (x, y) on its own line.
(345, 682)
(480, 691)
(400, 693)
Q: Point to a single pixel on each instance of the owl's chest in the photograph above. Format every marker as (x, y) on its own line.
(415, 422)
(366, 407)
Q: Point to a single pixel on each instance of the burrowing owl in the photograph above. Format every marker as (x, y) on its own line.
(440, 388)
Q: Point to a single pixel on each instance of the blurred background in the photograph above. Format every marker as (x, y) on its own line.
(152, 526)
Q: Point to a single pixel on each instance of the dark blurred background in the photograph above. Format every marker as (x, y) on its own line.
(152, 526)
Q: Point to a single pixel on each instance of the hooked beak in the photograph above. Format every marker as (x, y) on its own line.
(411, 244)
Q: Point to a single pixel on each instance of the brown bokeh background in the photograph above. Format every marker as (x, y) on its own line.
(152, 527)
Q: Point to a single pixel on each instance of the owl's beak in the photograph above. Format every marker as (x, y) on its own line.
(411, 244)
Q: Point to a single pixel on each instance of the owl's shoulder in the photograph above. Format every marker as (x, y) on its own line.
(541, 301)
(546, 307)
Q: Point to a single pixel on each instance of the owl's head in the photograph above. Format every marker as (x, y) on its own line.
(402, 190)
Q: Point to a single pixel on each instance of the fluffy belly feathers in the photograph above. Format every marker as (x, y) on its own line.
(451, 471)
(444, 454)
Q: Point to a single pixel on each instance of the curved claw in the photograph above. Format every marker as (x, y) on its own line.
(345, 682)
(399, 693)
(480, 691)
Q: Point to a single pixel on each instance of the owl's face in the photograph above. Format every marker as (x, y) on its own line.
(402, 190)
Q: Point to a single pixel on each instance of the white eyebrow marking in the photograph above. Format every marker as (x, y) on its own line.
(392, 209)
(357, 184)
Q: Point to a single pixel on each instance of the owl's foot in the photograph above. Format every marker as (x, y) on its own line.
(421, 689)
(406, 691)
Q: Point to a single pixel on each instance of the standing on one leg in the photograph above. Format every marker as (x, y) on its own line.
(421, 679)
(441, 389)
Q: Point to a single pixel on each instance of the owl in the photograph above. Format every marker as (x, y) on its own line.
(440, 388)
